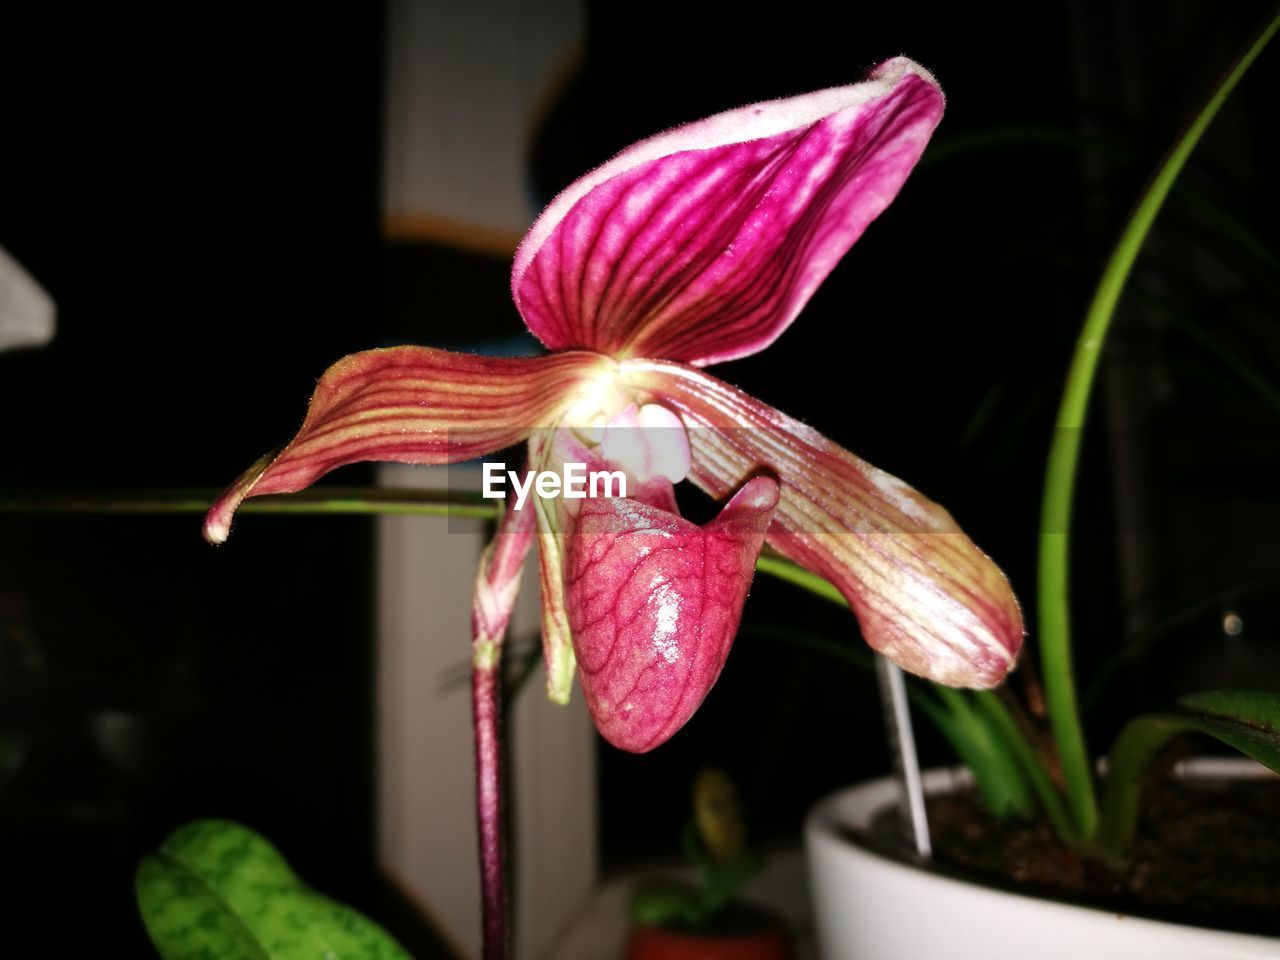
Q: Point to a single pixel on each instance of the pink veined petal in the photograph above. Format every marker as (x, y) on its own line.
(412, 405)
(654, 603)
(550, 450)
(925, 596)
(703, 243)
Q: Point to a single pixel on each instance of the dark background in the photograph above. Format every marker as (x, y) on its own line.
(200, 194)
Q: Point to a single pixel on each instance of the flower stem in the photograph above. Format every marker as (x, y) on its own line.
(321, 500)
(497, 583)
(486, 718)
(1064, 455)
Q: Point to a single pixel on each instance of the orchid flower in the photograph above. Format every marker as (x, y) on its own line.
(697, 246)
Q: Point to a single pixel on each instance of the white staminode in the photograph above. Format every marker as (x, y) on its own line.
(648, 441)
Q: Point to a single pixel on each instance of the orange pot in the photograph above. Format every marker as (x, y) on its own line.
(655, 943)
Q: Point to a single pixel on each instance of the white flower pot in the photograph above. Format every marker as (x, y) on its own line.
(868, 906)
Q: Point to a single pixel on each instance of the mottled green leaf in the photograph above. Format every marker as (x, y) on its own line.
(218, 891)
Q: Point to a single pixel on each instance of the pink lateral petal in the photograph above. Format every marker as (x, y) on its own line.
(703, 243)
(925, 596)
(654, 603)
(411, 405)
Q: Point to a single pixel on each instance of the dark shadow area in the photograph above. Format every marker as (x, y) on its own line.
(198, 190)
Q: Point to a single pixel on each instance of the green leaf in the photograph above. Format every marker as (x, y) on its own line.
(1246, 720)
(1253, 715)
(218, 891)
(1064, 454)
(976, 744)
(722, 881)
(1018, 745)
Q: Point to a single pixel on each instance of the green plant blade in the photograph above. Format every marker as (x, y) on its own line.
(1064, 455)
(218, 891)
(664, 904)
(1017, 744)
(1246, 720)
(980, 748)
(722, 881)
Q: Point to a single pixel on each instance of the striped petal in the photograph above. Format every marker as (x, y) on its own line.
(413, 405)
(702, 244)
(654, 603)
(925, 596)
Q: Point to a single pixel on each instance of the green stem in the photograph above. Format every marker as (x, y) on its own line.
(1064, 455)
(791, 573)
(322, 500)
